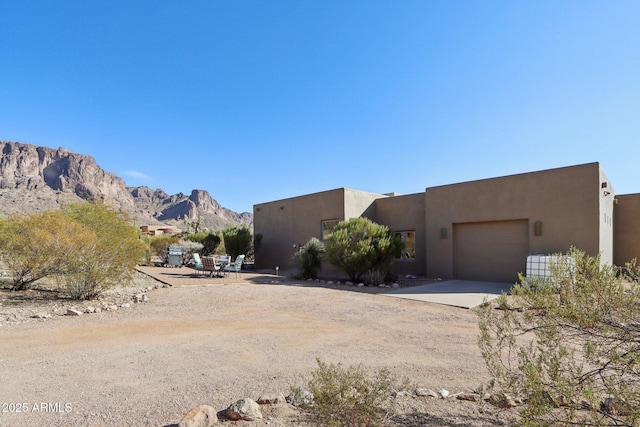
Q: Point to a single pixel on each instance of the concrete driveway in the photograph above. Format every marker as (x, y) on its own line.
(458, 293)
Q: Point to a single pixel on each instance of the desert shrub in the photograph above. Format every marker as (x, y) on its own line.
(374, 277)
(210, 243)
(348, 396)
(195, 237)
(359, 245)
(106, 260)
(160, 246)
(237, 240)
(189, 248)
(309, 259)
(569, 347)
(37, 246)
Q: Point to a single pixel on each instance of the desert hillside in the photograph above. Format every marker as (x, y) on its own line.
(34, 178)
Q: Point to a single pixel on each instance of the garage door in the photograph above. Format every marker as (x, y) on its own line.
(490, 251)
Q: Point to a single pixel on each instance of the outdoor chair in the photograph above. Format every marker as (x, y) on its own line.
(209, 264)
(236, 266)
(197, 263)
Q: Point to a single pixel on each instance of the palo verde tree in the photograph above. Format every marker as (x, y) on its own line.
(569, 346)
(360, 246)
(37, 246)
(107, 260)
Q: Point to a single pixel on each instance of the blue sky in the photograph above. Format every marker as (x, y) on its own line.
(255, 101)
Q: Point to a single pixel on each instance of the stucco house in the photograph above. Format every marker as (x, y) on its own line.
(477, 230)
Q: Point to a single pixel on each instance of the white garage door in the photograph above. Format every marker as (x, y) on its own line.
(490, 251)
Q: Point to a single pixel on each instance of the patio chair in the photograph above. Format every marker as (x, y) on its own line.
(236, 266)
(197, 263)
(209, 264)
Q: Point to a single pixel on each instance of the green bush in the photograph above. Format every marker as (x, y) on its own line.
(348, 396)
(359, 246)
(37, 246)
(160, 246)
(107, 259)
(195, 237)
(309, 259)
(210, 243)
(237, 240)
(568, 347)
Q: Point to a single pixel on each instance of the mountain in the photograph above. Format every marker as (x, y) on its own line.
(34, 179)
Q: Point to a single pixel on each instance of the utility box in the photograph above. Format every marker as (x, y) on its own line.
(540, 265)
(175, 256)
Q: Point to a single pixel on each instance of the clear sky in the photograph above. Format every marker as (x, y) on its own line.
(256, 101)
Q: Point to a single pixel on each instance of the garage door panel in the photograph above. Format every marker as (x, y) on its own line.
(490, 251)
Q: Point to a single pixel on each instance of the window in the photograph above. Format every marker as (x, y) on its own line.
(409, 240)
(328, 226)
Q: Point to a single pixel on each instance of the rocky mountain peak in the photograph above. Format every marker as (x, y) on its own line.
(26, 168)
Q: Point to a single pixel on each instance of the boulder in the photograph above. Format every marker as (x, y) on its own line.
(244, 409)
(300, 397)
(200, 416)
(271, 399)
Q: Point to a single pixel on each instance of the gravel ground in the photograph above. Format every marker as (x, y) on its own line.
(216, 340)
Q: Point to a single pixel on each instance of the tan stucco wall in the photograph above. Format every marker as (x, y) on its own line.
(627, 228)
(406, 213)
(573, 205)
(360, 203)
(293, 221)
(565, 200)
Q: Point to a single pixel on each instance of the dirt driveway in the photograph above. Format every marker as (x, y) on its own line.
(214, 341)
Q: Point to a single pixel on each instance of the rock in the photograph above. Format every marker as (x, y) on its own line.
(125, 305)
(90, 309)
(244, 409)
(271, 399)
(395, 285)
(140, 298)
(410, 276)
(381, 285)
(300, 397)
(361, 285)
(424, 392)
(443, 393)
(41, 316)
(348, 283)
(73, 312)
(401, 393)
(470, 397)
(330, 282)
(200, 416)
(502, 400)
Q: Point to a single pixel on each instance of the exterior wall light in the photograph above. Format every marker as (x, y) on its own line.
(537, 228)
(443, 233)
